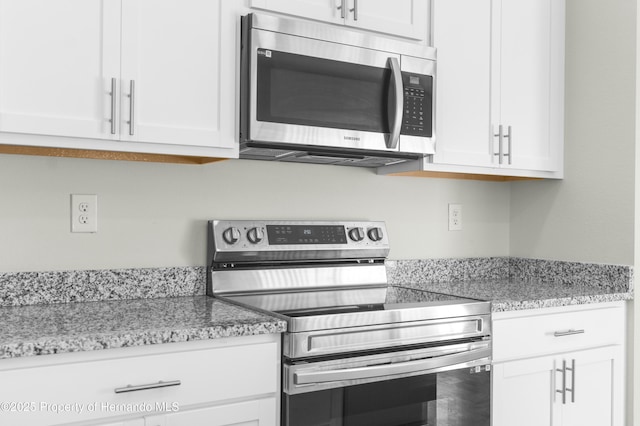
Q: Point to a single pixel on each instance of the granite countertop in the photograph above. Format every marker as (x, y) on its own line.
(516, 294)
(73, 327)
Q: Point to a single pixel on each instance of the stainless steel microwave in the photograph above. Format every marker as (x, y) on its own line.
(323, 94)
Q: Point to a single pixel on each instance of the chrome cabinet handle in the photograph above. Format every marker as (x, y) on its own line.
(132, 101)
(355, 10)
(570, 332)
(573, 380)
(499, 135)
(509, 137)
(563, 391)
(397, 90)
(341, 8)
(160, 384)
(113, 106)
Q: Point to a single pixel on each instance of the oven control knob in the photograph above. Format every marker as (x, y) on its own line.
(375, 234)
(356, 234)
(231, 235)
(255, 235)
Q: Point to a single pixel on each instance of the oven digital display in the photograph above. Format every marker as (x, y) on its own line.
(306, 234)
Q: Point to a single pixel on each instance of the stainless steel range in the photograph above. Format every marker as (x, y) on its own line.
(357, 351)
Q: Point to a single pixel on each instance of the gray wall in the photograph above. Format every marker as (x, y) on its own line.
(588, 216)
(153, 215)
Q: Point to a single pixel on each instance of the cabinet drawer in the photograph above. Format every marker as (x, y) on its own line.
(79, 391)
(540, 332)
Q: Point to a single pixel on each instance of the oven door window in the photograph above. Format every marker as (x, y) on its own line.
(303, 90)
(450, 398)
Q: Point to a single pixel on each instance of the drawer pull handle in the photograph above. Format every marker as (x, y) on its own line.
(567, 333)
(160, 384)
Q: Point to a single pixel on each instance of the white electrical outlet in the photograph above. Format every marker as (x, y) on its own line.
(84, 213)
(455, 217)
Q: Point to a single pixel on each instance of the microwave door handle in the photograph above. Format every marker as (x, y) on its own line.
(396, 104)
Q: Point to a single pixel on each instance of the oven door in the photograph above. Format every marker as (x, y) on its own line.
(443, 386)
(313, 93)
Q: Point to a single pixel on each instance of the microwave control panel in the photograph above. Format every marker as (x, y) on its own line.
(417, 114)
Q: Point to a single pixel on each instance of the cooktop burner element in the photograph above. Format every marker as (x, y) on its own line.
(328, 281)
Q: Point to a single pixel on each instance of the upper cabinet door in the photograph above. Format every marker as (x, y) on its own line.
(463, 90)
(58, 60)
(529, 79)
(405, 18)
(172, 73)
(322, 10)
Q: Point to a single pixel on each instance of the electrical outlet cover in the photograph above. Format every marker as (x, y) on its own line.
(84, 213)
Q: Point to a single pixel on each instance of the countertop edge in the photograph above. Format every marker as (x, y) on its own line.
(518, 305)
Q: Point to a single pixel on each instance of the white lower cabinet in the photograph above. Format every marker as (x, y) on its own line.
(576, 378)
(230, 381)
(260, 412)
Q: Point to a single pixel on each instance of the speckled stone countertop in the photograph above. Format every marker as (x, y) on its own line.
(72, 327)
(515, 283)
(513, 294)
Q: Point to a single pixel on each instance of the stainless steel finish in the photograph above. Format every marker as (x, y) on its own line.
(310, 135)
(573, 380)
(113, 106)
(341, 9)
(160, 384)
(563, 391)
(132, 102)
(295, 143)
(231, 281)
(243, 250)
(352, 333)
(509, 136)
(335, 297)
(315, 376)
(398, 95)
(570, 332)
(354, 10)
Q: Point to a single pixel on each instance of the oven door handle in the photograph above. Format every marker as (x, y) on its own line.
(408, 367)
(395, 107)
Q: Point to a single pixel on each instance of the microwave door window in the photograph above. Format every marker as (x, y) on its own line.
(308, 91)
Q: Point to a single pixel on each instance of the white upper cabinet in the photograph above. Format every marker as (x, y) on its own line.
(462, 34)
(57, 59)
(403, 18)
(500, 83)
(171, 65)
(149, 74)
(530, 84)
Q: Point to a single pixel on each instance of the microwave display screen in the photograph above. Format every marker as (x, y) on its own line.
(304, 90)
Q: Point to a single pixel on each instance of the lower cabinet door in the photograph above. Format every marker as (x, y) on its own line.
(522, 393)
(596, 381)
(258, 412)
(582, 388)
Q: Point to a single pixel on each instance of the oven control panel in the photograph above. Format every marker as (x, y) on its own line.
(296, 239)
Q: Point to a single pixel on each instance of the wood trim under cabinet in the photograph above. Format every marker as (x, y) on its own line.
(469, 176)
(106, 155)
